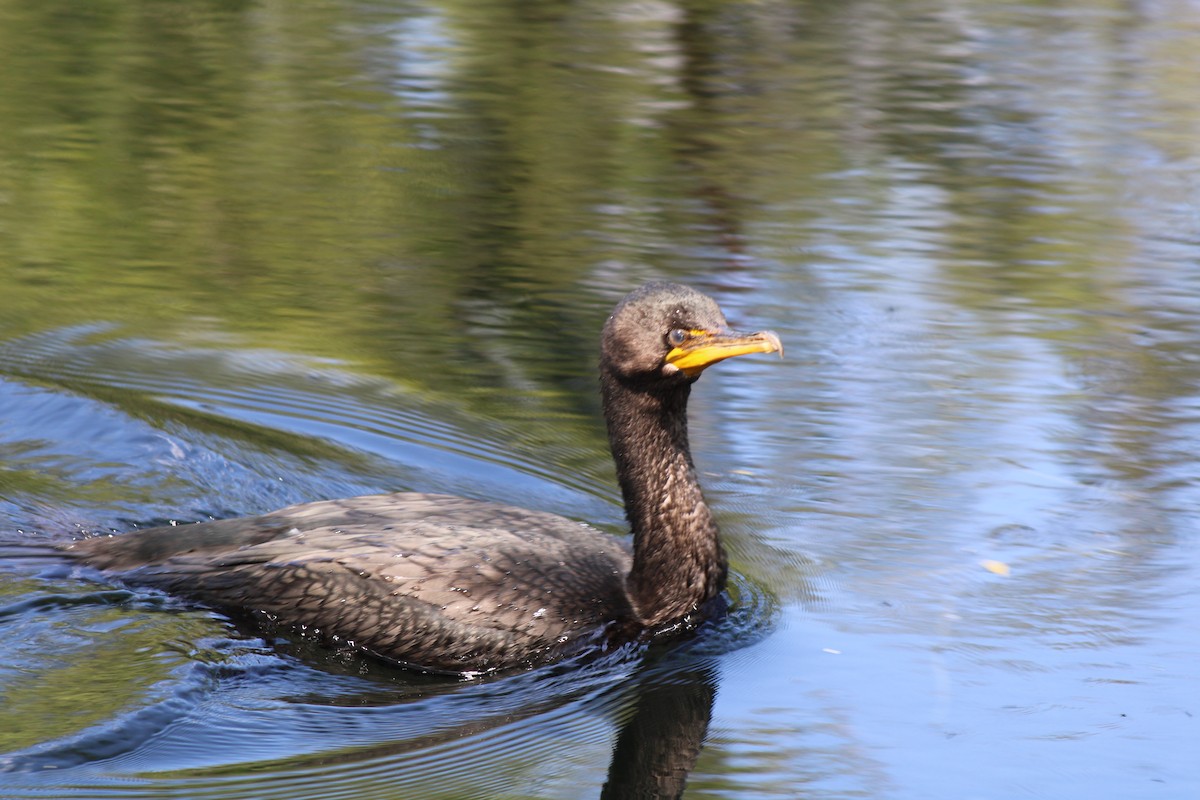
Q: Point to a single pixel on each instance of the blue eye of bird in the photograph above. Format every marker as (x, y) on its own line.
(677, 337)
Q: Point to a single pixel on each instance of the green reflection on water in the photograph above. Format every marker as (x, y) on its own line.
(424, 193)
(94, 663)
(348, 181)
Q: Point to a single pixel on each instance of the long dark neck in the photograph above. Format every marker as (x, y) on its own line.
(678, 561)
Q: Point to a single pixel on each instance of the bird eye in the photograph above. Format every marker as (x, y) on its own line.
(677, 337)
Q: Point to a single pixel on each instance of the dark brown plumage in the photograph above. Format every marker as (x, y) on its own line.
(454, 585)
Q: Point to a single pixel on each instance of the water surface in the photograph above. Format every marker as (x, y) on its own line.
(257, 254)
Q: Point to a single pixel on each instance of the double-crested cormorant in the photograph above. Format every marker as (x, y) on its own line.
(448, 584)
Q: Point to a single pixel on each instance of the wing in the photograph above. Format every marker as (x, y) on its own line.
(448, 591)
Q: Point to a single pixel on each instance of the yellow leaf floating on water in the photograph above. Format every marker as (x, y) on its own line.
(996, 567)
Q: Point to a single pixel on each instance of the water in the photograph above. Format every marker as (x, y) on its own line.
(254, 255)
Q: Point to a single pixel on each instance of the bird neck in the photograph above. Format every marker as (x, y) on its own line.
(678, 562)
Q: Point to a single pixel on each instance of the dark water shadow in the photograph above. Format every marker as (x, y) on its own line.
(661, 706)
(309, 722)
(664, 708)
(658, 745)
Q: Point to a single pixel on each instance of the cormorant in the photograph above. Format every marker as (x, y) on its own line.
(447, 584)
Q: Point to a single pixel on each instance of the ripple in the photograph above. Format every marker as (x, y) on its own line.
(339, 414)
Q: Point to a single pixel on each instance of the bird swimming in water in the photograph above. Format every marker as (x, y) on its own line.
(447, 584)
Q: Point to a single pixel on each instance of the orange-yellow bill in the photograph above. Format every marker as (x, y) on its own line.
(705, 348)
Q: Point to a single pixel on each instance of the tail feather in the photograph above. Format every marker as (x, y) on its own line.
(35, 552)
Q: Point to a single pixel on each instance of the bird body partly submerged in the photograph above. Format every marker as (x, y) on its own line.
(431, 581)
(447, 584)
